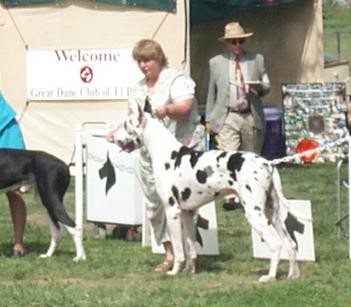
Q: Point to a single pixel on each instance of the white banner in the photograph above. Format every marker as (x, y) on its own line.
(80, 74)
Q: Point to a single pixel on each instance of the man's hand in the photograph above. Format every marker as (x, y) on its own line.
(208, 128)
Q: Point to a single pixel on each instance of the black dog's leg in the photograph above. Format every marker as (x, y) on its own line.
(52, 179)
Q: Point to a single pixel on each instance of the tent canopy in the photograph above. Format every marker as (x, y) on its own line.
(75, 25)
(162, 5)
(287, 32)
(200, 10)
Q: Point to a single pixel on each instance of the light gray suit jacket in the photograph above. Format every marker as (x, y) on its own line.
(253, 69)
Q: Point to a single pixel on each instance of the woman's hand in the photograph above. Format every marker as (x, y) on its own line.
(177, 110)
(110, 137)
(161, 112)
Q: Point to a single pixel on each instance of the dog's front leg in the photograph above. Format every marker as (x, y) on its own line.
(175, 228)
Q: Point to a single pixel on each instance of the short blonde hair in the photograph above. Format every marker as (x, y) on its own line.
(148, 49)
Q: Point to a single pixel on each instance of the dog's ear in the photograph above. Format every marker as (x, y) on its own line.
(147, 106)
(140, 115)
(348, 118)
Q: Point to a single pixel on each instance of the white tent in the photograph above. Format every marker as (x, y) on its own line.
(73, 25)
(289, 35)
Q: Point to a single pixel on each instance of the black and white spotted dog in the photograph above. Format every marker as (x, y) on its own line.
(50, 176)
(187, 179)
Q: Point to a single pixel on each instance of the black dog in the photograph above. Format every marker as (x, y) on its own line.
(50, 176)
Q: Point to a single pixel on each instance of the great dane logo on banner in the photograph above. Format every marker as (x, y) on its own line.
(80, 74)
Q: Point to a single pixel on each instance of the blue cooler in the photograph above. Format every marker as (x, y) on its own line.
(274, 140)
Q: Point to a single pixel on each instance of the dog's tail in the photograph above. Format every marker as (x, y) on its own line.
(57, 212)
(63, 217)
(52, 180)
(282, 200)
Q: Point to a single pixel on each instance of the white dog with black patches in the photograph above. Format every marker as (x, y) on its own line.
(50, 176)
(187, 179)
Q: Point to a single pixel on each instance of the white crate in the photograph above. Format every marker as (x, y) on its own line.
(122, 203)
(303, 232)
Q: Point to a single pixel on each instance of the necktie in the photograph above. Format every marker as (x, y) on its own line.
(239, 78)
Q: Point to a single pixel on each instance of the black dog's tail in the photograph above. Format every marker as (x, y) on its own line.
(52, 178)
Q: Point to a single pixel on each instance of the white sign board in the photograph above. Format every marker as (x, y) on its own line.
(301, 231)
(206, 232)
(80, 74)
(113, 191)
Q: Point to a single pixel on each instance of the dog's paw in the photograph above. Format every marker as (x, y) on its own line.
(266, 278)
(172, 273)
(80, 258)
(190, 267)
(295, 274)
(177, 268)
(44, 256)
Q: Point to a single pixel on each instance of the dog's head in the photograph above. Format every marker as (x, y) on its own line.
(129, 134)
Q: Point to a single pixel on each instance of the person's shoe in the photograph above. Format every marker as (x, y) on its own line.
(165, 266)
(100, 232)
(232, 204)
(133, 234)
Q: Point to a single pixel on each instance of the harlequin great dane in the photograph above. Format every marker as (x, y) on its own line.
(187, 179)
(50, 177)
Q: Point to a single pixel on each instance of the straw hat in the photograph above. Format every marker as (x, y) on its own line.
(234, 30)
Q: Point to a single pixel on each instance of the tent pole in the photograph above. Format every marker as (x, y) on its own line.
(79, 173)
(349, 179)
(187, 63)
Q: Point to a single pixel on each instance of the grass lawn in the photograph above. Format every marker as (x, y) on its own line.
(337, 19)
(120, 273)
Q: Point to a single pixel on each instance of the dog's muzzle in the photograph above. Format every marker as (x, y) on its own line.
(127, 147)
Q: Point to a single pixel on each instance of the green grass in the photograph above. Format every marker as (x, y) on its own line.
(337, 19)
(120, 273)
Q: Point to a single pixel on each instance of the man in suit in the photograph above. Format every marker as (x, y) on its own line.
(234, 110)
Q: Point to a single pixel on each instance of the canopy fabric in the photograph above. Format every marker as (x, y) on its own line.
(161, 5)
(13, 3)
(202, 11)
(297, 29)
(75, 25)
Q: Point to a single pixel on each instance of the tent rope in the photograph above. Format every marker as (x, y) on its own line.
(319, 149)
(24, 110)
(19, 117)
(17, 28)
(159, 26)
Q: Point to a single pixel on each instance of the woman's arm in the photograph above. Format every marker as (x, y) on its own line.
(177, 110)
